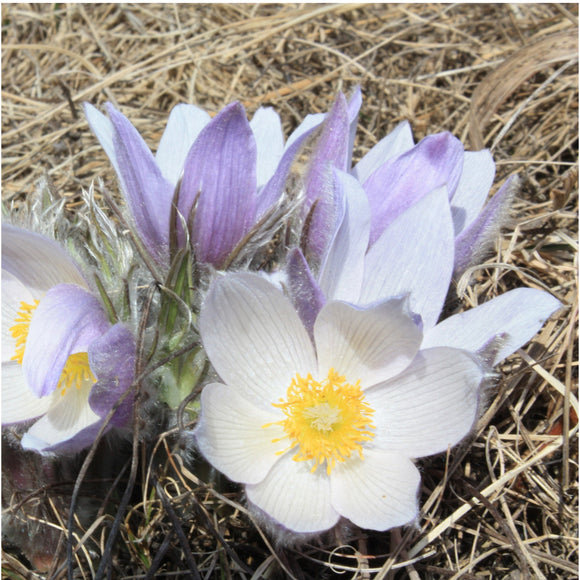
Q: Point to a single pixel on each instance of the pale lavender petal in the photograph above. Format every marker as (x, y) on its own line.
(69, 425)
(148, 194)
(112, 360)
(324, 204)
(183, 126)
(295, 497)
(414, 256)
(516, 316)
(342, 272)
(402, 181)
(397, 142)
(474, 185)
(377, 492)
(254, 337)
(326, 215)
(37, 261)
(104, 131)
(18, 402)
(308, 125)
(306, 295)
(267, 129)
(66, 321)
(477, 239)
(220, 178)
(232, 436)
(429, 407)
(368, 345)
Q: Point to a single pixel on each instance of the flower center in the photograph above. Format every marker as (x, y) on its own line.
(76, 370)
(326, 420)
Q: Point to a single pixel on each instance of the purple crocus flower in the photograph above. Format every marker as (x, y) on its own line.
(395, 174)
(414, 257)
(228, 172)
(63, 362)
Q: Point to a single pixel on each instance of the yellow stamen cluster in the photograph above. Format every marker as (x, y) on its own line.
(77, 368)
(19, 331)
(327, 420)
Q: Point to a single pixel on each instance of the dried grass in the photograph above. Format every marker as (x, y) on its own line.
(504, 504)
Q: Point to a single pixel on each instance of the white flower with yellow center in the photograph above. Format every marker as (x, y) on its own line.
(63, 363)
(324, 427)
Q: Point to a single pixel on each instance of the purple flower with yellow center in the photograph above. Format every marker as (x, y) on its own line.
(325, 427)
(63, 362)
(224, 174)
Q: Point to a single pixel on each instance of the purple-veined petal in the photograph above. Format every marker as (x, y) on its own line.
(516, 315)
(473, 242)
(232, 437)
(38, 262)
(430, 406)
(474, 185)
(414, 256)
(65, 322)
(254, 337)
(397, 142)
(370, 345)
(66, 419)
(306, 295)
(220, 173)
(112, 360)
(13, 294)
(183, 126)
(399, 183)
(377, 492)
(295, 497)
(267, 129)
(342, 272)
(148, 194)
(18, 402)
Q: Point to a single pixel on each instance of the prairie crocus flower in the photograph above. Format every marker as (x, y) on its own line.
(63, 363)
(327, 428)
(413, 256)
(225, 174)
(397, 173)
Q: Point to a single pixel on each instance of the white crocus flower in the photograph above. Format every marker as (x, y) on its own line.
(323, 428)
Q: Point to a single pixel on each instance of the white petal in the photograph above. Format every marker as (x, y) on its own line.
(183, 126)
(295, 497)
(342, 272)
(68, 415)
(414, 255)
(232, 437)
(370, 345)
(474, 185)
(514, 316)
(269, 136)
(377, 492)
(395, 143)
(430, 406)
(254, 337)
(38, 262)
(18, 402)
